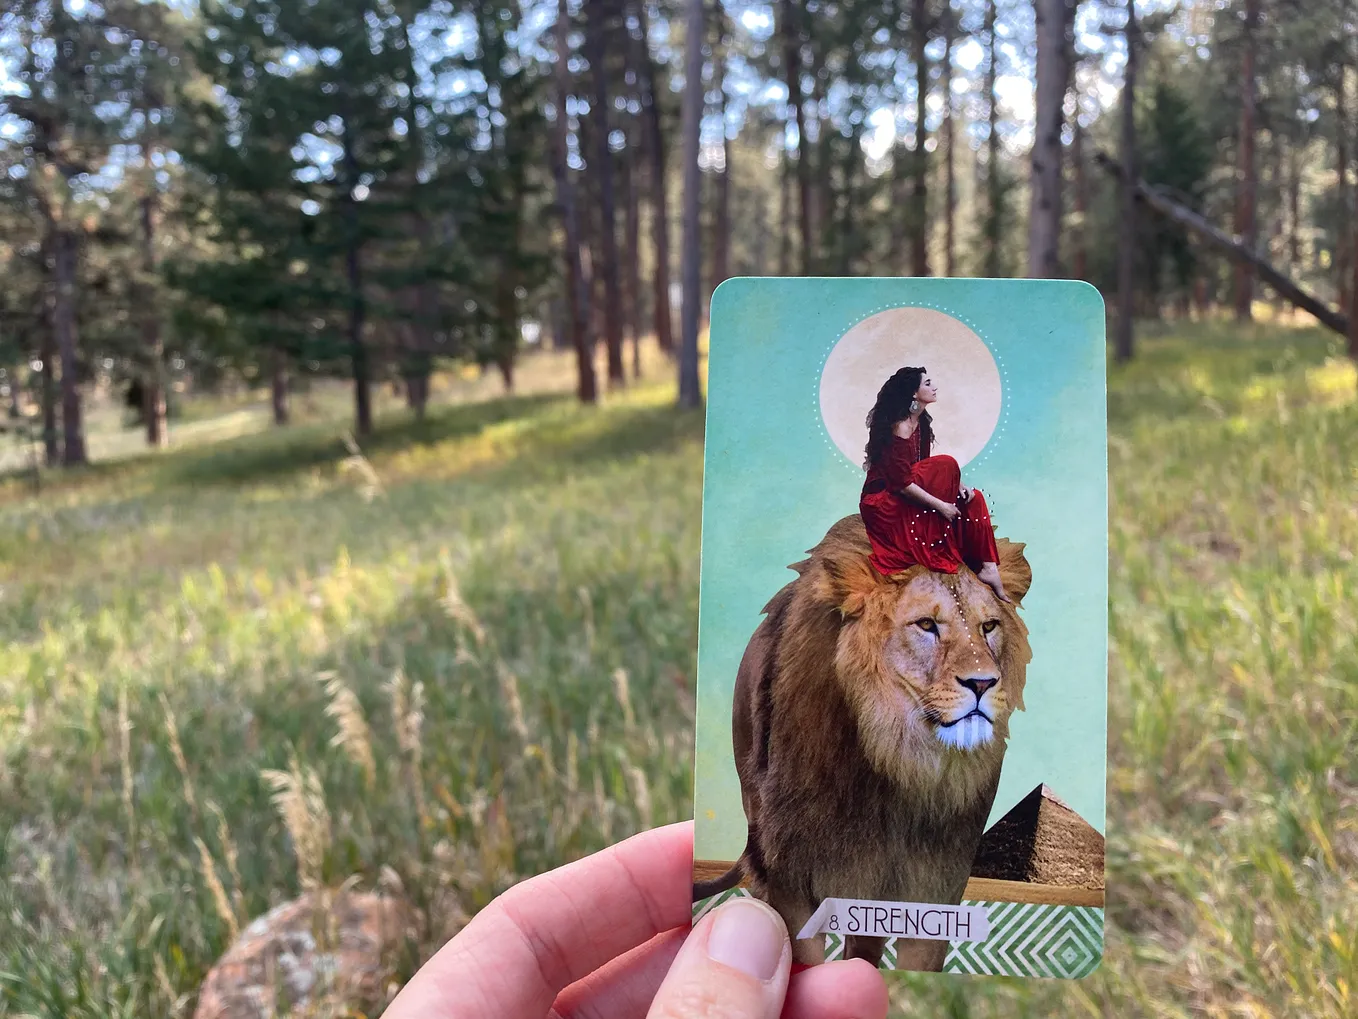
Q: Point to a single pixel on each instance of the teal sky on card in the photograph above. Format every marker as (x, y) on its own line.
(774, 482)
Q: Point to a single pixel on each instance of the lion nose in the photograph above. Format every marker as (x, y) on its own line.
(978, 684)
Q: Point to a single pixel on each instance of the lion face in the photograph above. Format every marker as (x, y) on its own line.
(945, 650)
(932, 664)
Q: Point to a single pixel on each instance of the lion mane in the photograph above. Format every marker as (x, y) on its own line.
(848, 787)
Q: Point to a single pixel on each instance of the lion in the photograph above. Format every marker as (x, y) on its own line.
(869, 723)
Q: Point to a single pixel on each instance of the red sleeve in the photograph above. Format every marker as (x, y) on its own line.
(899, 467)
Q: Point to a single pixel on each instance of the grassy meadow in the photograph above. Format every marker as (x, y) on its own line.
(261, 661)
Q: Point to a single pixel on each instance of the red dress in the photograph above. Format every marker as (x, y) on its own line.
(905, 533)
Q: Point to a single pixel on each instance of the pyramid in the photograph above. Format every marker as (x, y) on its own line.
(1041, 841)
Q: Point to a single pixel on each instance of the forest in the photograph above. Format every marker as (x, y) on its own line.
(198, 195)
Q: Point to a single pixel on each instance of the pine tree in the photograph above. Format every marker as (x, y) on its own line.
(792, 56)
(654, 145)
(577, 301)
(599, 24)
(1055, 21)
(1246, 195)
(921, 30)
(263, 271)
(690, 394)
(1127, 233)
(158, 72)
(75, 68)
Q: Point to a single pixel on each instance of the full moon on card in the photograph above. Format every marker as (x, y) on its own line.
(968, 379)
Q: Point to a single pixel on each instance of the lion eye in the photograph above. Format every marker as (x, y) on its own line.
(927, 625)
(989, 625)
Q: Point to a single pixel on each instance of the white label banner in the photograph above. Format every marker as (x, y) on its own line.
(930, 921)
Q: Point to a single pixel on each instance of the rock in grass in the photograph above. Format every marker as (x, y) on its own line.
(326, 950)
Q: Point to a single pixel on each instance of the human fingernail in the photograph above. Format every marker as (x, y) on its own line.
(749, 936)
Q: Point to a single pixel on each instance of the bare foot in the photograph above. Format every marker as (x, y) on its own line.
(990, 576)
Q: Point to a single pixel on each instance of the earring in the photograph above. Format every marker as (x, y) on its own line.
(914, 406)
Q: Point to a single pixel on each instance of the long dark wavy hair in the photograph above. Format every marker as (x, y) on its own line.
(892, 406)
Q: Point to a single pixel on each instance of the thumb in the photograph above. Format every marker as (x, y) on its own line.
(735, 965)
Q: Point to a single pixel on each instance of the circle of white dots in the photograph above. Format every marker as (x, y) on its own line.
(999, 363)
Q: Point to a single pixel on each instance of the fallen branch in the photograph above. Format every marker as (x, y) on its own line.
(1233, 248)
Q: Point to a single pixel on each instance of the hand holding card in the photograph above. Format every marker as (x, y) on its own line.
(869, 713)
(535, 952)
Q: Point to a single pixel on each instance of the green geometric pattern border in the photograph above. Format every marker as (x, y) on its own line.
(1026, 940)
(1033, 940)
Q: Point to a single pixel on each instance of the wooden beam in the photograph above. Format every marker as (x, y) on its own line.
(985, 889)
(707, 870)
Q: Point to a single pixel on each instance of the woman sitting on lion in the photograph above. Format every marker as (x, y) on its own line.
(914, 506)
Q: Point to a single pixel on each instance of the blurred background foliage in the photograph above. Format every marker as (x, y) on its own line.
(349, 527)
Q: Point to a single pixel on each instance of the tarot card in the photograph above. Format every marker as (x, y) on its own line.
(902, 664)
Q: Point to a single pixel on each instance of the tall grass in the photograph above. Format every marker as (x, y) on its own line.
(235, 670)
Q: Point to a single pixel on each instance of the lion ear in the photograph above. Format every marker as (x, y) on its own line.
(841, 575)
(846, 584)
(1015, 573)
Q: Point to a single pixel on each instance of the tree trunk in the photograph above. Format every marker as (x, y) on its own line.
(761, 233)
(576, 301)
(1353, 312)
(660, 226)
(1236, 251)
(901, 228)
(608, 249)
(721, 248)
(632, 253)
(690, 394)
(67, 254)
(848, 237)
(919, 206)
(153, 346)
(419, 360)
(50, 434)
(1080, 236)
(950, 164)
(1275, 243)
(1200, 303)
(784, 209)
(278, 387)
(417, 369)
(64, 247)
(1351, 307)
(792, 50)
(992, 171)
(1124, 338)
(556, 315)
(1341, 144)
(363, 414)
(1053, 74)
(589, 205)
(507, 329)
(822, 200)
(358, 309)
(1293, 209)
(1246, 199)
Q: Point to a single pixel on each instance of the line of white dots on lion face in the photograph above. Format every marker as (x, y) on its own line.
(942, 651)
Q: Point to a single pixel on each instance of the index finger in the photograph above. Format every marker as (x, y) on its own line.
(545, 933)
